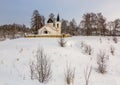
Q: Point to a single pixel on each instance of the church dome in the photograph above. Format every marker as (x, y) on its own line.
(50, 20)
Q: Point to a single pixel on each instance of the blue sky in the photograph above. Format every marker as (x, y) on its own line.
(20, 11)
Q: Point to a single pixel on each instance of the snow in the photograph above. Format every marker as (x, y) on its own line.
(16, 55)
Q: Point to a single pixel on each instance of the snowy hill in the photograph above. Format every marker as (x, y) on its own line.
(16, 55)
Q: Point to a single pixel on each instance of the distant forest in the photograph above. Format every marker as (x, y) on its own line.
(92, 24)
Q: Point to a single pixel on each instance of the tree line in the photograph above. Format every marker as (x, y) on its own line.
(91, 24)
(13, 30)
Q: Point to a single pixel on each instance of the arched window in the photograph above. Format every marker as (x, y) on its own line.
(46, 32)
(57, 25)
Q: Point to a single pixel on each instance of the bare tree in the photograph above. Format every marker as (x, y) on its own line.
(93, 23)
(69, 75)
(64, 26)
(87, 74)
(101, 23)
(37, 21)
(72, 27)
(51, 16)
(102, 62)
(89, 23)
(116, 26)
(110, 27)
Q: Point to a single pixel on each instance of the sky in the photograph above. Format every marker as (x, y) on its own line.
(20, 11)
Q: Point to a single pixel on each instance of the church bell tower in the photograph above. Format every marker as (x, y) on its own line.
(58, 24)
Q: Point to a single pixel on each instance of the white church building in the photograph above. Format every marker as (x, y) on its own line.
(51, 28)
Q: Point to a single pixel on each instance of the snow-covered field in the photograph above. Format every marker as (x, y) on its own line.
(16, 55)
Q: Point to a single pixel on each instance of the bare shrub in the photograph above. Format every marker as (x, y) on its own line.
(62, 42)
(87, 74)
(2, 39)
(69, 75)
(82, 44)
(115, 39)
(100, 40)
(32, 70)
(88, 49)
(112, 50)
(102, 62)
(108, 39)
(42, 67)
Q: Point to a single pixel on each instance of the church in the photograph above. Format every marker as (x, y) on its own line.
(51, 28)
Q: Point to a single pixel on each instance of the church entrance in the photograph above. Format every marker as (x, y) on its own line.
(45, 32)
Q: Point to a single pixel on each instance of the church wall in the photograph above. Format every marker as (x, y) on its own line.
(50, 24)
(46, 30)
(58, 27)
